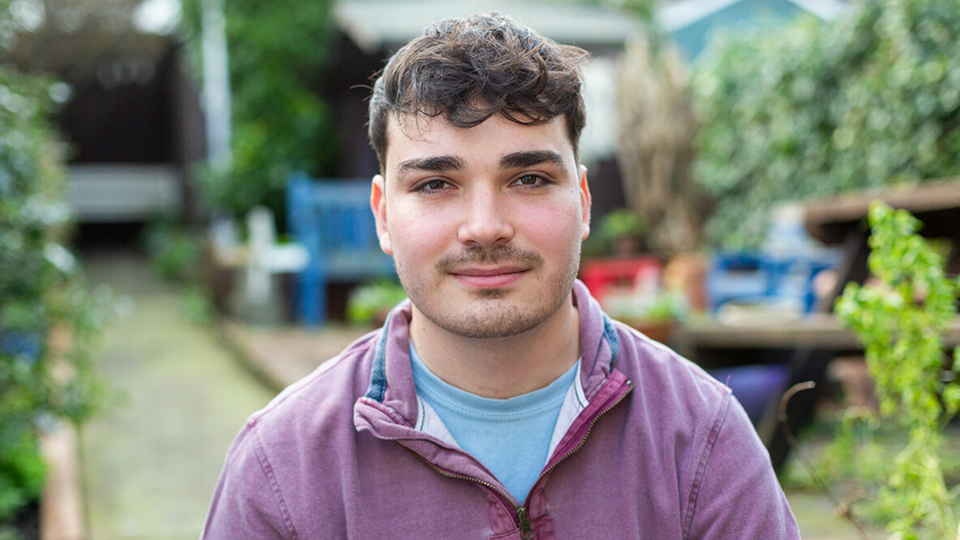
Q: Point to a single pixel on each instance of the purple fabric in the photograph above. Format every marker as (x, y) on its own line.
(662, 451)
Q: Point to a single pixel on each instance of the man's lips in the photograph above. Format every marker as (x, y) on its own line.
(487, 278)
(487, 272)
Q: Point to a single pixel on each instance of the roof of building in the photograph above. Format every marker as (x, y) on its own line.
(681, 14)
(376, 24)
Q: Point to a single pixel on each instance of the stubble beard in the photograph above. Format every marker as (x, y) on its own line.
(489, 315)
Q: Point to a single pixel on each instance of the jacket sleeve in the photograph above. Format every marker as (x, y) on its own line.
(737, 494)
(246, 503)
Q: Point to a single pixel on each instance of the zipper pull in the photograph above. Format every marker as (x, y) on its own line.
(526, 532)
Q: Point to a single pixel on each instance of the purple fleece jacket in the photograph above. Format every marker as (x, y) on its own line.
(659, 450)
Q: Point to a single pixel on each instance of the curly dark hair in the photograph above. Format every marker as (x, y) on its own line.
(467, 70)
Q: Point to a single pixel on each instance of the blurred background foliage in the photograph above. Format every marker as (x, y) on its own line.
(47, 318)
(655, 150)
(370, 303)
(814, 109)
(277, 52)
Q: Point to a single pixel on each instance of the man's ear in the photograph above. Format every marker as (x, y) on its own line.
(378, 203)
(584, 203)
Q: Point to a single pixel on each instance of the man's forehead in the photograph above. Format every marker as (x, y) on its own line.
(434, 129)
(412, 126)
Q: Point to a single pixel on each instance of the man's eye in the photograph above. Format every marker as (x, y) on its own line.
(433, 185)
(531, 180)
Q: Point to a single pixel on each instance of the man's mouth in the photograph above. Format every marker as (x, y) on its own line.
(489, 278)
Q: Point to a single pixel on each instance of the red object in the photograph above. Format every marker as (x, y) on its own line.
(599, 275)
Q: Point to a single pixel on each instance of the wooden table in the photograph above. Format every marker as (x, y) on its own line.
(808, 344)
(817, 329)
(821, 329)
(842, 220)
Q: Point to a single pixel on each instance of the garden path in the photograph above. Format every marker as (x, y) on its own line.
(150, 463)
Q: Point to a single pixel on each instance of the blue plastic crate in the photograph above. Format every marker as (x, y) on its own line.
(737, 276)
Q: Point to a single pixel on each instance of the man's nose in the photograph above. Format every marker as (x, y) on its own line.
(486, 220)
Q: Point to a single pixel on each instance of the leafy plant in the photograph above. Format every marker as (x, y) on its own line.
(663, 306)
(23, 470)
(816, 108)
(48, 320)
(174, 250)
(196, 306)
(372, 301)
(622, 222)
(176, 254)
(900, 321)
(280, 123)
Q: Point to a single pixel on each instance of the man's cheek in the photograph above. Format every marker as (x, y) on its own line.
(553, 226)
(419, 237)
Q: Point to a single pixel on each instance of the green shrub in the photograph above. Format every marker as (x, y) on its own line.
(175, 251)
(900, 320)
(372, 301)
(196, 306)
(622, 222)
(22, 470)
(280, 123)
(818, 108)
(47, 318)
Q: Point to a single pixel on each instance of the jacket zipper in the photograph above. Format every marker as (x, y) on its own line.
(583, 439)
(523, 519)
(448, 474)
(523, 516)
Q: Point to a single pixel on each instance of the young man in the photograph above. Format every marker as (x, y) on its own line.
(499, 401)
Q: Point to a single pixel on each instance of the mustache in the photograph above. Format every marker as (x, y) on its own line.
(505, 254)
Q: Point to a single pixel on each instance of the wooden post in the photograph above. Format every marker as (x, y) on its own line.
(61, 506)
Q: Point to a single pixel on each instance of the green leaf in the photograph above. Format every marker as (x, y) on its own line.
(951, 399)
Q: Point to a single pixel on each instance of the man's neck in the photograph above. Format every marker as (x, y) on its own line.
(501, 368)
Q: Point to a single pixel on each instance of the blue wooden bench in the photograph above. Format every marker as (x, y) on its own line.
(333, 221)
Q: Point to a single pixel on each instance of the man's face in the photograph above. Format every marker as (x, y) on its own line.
(484, 224)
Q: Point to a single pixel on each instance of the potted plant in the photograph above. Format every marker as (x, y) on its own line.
(621, 232)
(655, 314)
(370, 303)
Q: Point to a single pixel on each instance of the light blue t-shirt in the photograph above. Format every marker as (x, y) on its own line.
(511, 437)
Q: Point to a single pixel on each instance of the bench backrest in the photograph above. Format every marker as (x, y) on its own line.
(333, 221)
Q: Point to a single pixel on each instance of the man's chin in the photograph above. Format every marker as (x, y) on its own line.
(490, 329)
(487, 316)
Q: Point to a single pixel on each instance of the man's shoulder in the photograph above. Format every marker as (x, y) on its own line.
(273, 463)
(325, 394)
(665, 375)
(676, 403)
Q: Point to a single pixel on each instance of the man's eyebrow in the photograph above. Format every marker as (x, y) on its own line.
(435, 164)
(519, 160)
